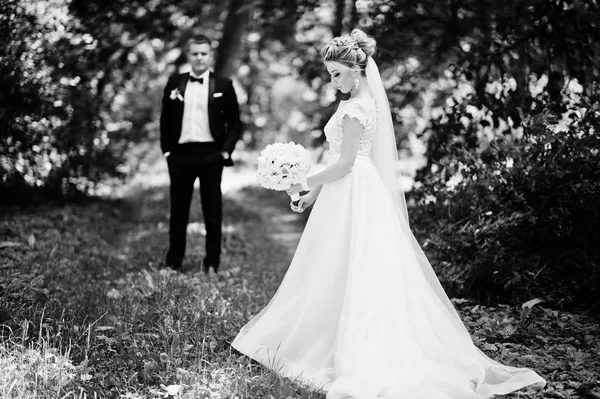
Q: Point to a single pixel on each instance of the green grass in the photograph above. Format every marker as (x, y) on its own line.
(84, 292)
(86, 311)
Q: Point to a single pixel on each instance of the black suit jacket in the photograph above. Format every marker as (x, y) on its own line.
(223, 113)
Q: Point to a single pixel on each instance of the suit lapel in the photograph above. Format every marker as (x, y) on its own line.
(180, 104)
(211, 92)
(183, 84)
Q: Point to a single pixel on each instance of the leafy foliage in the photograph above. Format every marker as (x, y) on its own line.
(51, 113)
(490, 41)
(517, 216)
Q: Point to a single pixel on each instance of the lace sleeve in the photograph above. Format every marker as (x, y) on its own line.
(355, 112)
(334, 130)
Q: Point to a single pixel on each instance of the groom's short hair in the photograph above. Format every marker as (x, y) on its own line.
(197, 39)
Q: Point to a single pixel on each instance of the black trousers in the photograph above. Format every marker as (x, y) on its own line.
(187, 163)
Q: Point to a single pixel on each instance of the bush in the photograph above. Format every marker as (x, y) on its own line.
(52, 136)
(516, 216)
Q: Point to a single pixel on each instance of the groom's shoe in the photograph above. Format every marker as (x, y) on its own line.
(174, 266)
(206, 266)
(173, 261)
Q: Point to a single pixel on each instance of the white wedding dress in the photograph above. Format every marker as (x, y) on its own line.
(356, 315)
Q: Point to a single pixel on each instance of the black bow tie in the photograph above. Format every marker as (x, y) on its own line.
(194, 79)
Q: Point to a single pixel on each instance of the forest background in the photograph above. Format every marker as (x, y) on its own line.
(496, 105)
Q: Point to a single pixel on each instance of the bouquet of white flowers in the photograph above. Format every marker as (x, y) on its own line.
(281, 165)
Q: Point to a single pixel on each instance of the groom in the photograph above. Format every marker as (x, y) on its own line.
(199, 127)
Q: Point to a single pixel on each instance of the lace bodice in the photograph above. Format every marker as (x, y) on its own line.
(364, 111)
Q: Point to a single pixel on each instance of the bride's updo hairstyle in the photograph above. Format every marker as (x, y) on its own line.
(352, 50)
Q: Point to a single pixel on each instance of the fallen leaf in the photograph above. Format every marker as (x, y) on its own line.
(531, 303)
(9, 244)
(31, 240)
(173, 390)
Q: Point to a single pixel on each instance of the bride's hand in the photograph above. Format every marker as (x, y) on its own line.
(304, 202)
(295, 189)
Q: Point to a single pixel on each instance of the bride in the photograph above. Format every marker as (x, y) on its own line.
(360, 313)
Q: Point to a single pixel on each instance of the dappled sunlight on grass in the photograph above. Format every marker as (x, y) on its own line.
(90, 281)
(87, 294)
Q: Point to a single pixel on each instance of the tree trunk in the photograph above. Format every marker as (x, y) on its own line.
(230, 45)
(346, 17)
(350, 16)
(338, 25)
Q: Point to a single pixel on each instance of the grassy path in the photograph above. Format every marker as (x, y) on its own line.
(85, 310)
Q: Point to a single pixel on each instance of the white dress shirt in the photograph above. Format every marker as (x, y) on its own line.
(195, 127)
